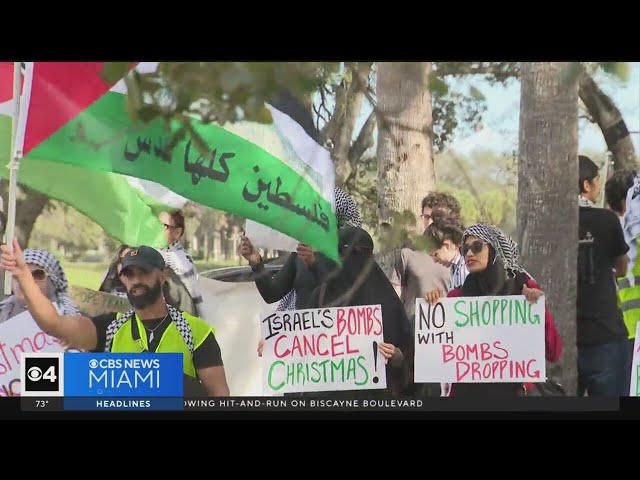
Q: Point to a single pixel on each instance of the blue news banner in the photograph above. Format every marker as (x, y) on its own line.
(103, 381)
(155, 381)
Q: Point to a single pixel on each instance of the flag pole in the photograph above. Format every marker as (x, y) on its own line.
(13, 168)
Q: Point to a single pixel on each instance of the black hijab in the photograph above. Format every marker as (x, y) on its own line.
(361, 281)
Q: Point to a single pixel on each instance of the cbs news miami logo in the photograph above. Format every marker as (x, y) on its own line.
(81, 374)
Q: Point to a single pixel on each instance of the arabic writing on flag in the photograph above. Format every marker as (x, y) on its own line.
(248, 169)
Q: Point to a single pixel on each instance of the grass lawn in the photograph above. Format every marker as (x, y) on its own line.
(90, 275)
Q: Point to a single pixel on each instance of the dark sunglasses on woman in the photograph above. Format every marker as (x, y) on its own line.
(475, 247)
(39, 274)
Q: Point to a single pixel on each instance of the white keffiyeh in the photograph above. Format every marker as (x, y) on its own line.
(585, 202)
(506, 249)
(176, 258)
(48, 262)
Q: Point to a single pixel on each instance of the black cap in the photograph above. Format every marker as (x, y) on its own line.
(147, 258)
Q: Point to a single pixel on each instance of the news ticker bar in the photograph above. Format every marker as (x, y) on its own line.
(272, 404)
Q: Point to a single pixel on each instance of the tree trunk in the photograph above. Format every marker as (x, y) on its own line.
(29, 206)
(610, 121)
(547, 208)
(405, 155)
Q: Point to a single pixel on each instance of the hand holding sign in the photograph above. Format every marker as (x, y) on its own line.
(532, 294)
(433, 296)
(387, 350)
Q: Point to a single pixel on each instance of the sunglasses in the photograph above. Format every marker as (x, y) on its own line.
(475, 247)
(39, 274)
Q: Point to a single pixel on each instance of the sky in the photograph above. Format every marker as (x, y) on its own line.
(500, 123)
(499, 130)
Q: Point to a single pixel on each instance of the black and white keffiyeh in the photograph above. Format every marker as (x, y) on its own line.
(177, 258)
(176, 317)
(506, 249)
(585, 202)
(347, 214)
(347, 211)
(49, 263)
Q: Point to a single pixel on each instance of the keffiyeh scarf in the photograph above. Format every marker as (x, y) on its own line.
(48, 262)
(176, 317)
(506, 249)
(585, 202)
(182, 264)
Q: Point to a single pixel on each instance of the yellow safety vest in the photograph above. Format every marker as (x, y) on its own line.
(629, 298)
(171, 341)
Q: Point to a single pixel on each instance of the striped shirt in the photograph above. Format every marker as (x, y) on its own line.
(459, 272)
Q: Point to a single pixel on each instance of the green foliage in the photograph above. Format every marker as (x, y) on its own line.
(222, 91)
(64, 226)
(485, 184)
(455, 111)
(618, 70)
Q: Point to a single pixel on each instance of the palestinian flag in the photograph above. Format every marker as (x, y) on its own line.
(126, 208)
(70, 115)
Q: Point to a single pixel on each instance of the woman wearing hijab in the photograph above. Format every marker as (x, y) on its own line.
(48, 274)
(493, 263)
(302, 271)
(361, 281)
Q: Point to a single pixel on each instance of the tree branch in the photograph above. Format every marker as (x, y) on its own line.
(609, 118)
(501, 70)
(364, 140)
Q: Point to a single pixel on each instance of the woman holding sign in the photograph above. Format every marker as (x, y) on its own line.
(360, 282)
(493, 262)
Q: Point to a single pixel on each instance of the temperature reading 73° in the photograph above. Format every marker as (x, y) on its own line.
(31, 404)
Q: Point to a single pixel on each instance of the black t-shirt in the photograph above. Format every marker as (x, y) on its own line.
(206, 355)
(602, 240)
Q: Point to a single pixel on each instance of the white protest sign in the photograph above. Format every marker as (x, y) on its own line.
(265, 237)
(18, 335)
(323, 349)
(634, 391)
(480, 339)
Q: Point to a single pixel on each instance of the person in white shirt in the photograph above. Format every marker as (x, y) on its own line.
(176, 257)
(444, 235)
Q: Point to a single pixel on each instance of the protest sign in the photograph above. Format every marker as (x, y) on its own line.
(635, 365)
(324, 349)
(262, 236)
(480, 339)
(93, 303)
(21, 334)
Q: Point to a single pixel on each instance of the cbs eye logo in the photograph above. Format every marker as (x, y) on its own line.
(35, 374)
(41, 374)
